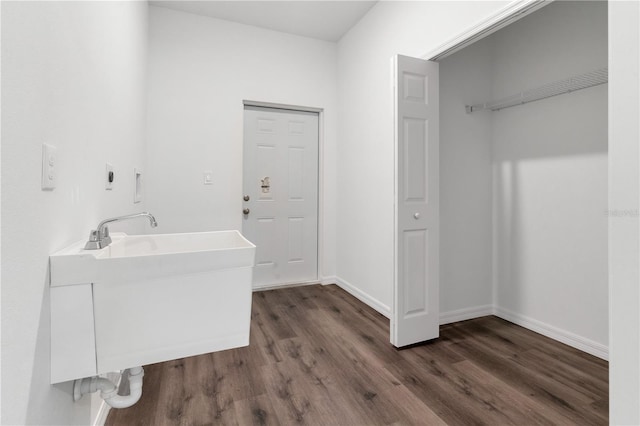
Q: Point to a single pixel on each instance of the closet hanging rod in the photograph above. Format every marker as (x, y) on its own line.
(582, 81)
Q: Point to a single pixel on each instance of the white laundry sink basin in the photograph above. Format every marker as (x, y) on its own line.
(148, 298)
(136, 257)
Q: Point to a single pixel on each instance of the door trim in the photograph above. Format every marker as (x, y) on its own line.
(273, 105)
(321, 175)
(507, 15)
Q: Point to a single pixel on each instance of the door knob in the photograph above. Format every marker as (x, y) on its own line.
(246, 211)
(246, 198)
(416, 215)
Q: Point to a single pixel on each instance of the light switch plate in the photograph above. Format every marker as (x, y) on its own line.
(207, 178)
(137, 185)
(49, 172)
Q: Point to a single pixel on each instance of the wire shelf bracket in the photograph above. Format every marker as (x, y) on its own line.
(582, 81)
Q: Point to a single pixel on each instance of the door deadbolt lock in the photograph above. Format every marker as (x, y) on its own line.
(246, 211)
(246, 198)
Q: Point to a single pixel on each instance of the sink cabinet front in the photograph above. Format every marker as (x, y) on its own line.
(111, 326)
(169, 318)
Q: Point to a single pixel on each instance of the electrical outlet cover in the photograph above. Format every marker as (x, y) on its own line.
(109, 177)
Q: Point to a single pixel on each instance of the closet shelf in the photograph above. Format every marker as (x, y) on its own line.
(582, 81)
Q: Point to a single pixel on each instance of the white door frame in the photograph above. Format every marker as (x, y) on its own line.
(321, 185)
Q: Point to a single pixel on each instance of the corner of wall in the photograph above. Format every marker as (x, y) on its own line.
(564, 336)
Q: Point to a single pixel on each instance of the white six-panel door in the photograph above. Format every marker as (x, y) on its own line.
(415, 316)
(280, 183)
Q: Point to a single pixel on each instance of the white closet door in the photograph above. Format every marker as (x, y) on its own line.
(415, 315)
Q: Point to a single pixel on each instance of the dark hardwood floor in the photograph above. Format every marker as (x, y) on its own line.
(319, 356)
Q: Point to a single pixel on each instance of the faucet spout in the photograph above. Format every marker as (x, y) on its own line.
(100, 238)
(152, 220)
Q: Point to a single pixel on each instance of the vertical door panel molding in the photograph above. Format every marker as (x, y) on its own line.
(280, 176)
(415, 316)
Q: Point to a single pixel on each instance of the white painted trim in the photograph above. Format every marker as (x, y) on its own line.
(284, 285)
(512, 12)
(555, 333)
(465, 314)
(586, 345)
(322, 281)
(328, 280)
(260, 104)
(103, 412)
(321, 187)
(363, 297)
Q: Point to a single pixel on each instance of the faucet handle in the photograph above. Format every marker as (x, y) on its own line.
(94, 242)
(97, 239)
(93, 235)
(105, 239)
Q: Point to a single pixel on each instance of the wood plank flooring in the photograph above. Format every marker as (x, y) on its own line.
(318, 356)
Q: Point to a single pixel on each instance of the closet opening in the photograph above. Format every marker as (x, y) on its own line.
(523, 175)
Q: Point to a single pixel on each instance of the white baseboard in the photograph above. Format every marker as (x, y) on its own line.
(328, 280)
(284, 285)
(363, 297)
(582, 343)
(555, 333)
(323, 281)
(103, 412)
(465, 314)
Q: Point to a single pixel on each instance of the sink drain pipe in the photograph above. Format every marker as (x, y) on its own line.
(109, 391)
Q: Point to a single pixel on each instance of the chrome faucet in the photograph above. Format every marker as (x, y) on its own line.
(100, 238)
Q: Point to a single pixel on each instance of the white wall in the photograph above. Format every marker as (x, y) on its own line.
(200, 71)
(466, 270)
(551, 174)
(0, 223)
(624, 189)
(73, 75)
(550, 199)
(364, 244)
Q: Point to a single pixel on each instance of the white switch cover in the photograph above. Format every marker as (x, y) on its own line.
(109, 177)
(49, 166)
(137, 185)
(208, 178)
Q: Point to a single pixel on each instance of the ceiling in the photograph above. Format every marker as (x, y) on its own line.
(324, 20)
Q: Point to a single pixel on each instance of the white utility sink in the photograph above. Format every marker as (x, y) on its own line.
(132, 257)
(146, 299)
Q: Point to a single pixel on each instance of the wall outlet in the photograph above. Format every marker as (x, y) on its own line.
(109, 177)
(49, 172)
